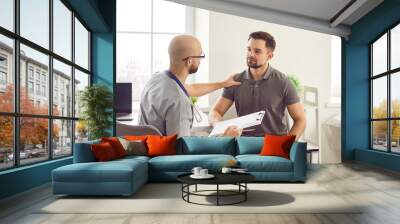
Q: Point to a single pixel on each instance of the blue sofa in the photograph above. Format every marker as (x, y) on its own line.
(125, 176)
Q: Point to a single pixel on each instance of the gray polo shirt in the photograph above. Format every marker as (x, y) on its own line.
(273, 94)
(165, 105)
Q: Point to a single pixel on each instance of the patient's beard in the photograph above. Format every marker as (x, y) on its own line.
(193, 69)
(253, 65)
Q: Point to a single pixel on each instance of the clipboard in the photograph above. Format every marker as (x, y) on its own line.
(246, 121)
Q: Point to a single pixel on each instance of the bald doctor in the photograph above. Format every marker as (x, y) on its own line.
(165, 101)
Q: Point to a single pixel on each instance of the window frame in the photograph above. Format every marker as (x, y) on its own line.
(388, 74)
(189, 29)
(15, 72)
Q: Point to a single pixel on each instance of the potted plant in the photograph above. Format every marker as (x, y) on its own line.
(96, 102)
(296, 83)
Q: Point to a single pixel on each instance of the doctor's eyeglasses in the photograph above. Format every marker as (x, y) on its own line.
(199, 56)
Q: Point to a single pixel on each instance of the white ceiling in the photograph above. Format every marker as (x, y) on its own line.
(315, 15)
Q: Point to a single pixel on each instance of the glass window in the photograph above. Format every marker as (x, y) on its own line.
(3, 78)
(81, 82)
(383, 138)
(40, 62)
(62, 29)
(160, 51)
(3, 61)
(150, 39)
(63, 72)
(34, 21)
(81, 45)
(379, 56)
(134, 66)
(395, 138)
(165, 21)
(30, 71)
(6, 73)
(379, 97)
(395, 47)
(6, 142)
(379, 135)
(395, 95)
(138, 10)
(81, 131)
(62, 138)
(30, 87)
(33, 140)
(7, 14)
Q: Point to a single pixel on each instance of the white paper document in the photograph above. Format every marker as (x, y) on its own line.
(246, 121)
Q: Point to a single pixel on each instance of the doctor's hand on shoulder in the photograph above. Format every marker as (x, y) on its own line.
(230, 81)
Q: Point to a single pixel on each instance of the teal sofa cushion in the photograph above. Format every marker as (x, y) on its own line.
(249, 145)
(83, 153)
(185, 163)
(206, 145)
(111, 171)
(257, 163)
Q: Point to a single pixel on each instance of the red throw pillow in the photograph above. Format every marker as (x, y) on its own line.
(161, 145)
(116, 145)
(135, 137)
(103, 152)
(277, 145)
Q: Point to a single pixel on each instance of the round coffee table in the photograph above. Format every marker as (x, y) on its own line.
(238, 179)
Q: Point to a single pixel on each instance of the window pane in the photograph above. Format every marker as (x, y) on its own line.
(62, 29)
(81, 131)
(160, 51)
(134, 65)
(169, 17)
(395, 94)
(6, 74)
(395, 47)
(81, 45)
(395, 138)
(35, 21)
(62, 138)
(379, 97)
(134, 15)
(33, 139)
(6, 142)
(7, 14)
(81, 81)
(379, 55)
(62, 89)
(379, 135)
(34, 97)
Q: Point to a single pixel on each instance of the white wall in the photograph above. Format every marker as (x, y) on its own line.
(304, 54)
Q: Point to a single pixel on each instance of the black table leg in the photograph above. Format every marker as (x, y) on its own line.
(245, 193)
(217, 194)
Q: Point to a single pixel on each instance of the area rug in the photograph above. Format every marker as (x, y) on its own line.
(167, 198)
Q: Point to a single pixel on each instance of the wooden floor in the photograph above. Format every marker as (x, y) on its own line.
(377, 188)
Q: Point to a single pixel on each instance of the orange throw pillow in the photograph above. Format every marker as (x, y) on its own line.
(161, 145)
(103, 152)
(277, 145)
(116, 145)
(135, 138)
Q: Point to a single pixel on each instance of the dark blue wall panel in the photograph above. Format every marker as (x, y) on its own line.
(356, 85)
